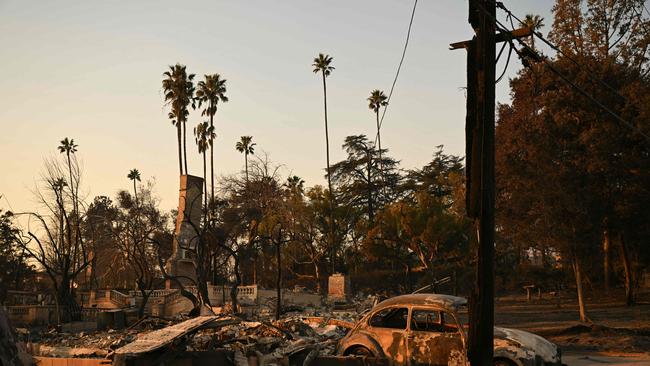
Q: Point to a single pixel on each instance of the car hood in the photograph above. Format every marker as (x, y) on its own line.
(529, 342)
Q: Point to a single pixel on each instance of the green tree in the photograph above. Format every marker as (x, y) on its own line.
(358, 175)
(567, 171)
(246, 146)
(14, 269)
(98, 232)
(178, 87)
(211, 91)
(135, 229)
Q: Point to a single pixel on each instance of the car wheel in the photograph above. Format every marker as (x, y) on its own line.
(503, 362)
(358, 351)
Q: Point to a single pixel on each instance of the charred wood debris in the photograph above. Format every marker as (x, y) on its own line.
(302, 335)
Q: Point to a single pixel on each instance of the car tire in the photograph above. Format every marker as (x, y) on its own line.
(358, 351)
(503, 362)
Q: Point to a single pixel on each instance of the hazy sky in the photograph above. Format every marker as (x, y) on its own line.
(91, 70)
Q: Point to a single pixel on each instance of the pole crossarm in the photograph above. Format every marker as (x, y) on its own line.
(500, 37)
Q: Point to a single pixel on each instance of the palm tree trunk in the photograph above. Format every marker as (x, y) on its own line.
(211, 159)
(327, 139)
(205, 188)
(185, 146)
(371, 215)
(180, 152)
(74, 201)
(135, 193)
(381, 164)
(329, 181)
(246, 165)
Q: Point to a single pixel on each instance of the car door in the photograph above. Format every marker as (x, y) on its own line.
(388, 328)
(434, 338)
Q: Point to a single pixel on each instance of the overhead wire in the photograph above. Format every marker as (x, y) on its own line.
(399, 67)
(591, 72)
(505, 68)
(562, 76)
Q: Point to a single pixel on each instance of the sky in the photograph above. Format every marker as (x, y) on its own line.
(92, 71)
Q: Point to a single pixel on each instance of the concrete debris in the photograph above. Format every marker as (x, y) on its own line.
(305, 333)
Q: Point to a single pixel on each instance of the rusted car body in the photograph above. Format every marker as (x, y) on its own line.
(425, 329)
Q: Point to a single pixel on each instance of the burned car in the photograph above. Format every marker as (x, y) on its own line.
(425, 329)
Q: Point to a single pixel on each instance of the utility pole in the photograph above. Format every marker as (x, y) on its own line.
(479, 170)
(479, 134)
(481, 333)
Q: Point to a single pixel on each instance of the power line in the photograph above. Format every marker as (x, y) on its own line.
(585, 94)
(399, 67)
(501, 6)
(565, 78)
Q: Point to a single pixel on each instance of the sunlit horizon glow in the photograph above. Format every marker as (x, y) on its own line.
(92, 71)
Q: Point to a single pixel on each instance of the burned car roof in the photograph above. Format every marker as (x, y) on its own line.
(442, 301)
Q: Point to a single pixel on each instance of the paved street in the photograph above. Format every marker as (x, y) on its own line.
(584, 359)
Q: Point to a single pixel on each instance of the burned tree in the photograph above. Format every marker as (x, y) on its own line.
(53, 238)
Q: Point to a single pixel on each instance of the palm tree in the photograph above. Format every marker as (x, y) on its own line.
(211, 91)
(295, 184)
(179, 93)
(534, 22)
(68, 147)
(377, 100)
(246, 146)
(322, 64)
(204, 134)
(134, 175)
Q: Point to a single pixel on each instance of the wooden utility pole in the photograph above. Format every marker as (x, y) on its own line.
(481, 332)
(479, 157)
(479, 131)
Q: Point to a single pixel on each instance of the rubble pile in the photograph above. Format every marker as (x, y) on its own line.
(271, 340)
(53, 343)
(92, 344)
(303, 331)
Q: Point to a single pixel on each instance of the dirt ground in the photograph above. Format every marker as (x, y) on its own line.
(617, 334)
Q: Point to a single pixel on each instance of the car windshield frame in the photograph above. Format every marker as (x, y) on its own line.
(389, 308)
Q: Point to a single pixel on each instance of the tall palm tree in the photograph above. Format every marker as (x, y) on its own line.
(204, 133)
(533, 22)
(179, 93)
(377, 100)
(246, 146)
(68, 147)
(211, 91)
(323, 64)
(134, 175)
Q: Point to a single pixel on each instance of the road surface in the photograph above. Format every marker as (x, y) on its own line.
(596, 358)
